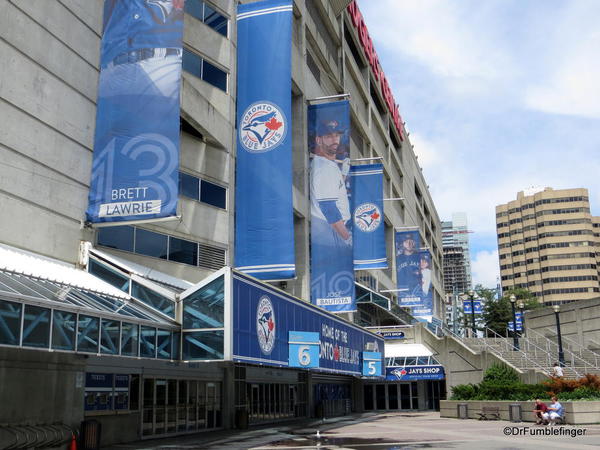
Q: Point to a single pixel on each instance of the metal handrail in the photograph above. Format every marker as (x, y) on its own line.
(574, 343)
(549, 344)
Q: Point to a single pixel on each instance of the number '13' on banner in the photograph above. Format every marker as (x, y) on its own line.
(304, 349)
(372, 364)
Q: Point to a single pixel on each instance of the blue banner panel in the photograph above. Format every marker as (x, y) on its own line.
(391, 334)
(511, 325)
(332, 260)
(372, 364)
(415, 373)
(408, 267)
(368, 231)
(264, 317)
(476, 304)
(136, 145)
(264, 221)
(304, 349)
(424, 311)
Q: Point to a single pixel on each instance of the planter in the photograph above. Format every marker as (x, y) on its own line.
(576, 412)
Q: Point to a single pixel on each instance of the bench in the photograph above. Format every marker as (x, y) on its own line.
(489, 413)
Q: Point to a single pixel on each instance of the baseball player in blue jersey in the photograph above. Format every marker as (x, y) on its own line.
(137, 120)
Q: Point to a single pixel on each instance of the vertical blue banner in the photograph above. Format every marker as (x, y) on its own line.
(424, 310)
(368, 231)
(408, 270)
(264, 222)
(477, 305)
(332, 261)
(136, 146)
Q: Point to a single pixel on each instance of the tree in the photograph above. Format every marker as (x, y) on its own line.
(498, 312)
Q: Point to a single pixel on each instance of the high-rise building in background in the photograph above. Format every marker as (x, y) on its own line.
(457, 257)
(547, 242)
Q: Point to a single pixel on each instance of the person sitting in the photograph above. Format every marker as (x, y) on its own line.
(555, 412)
(539, 408)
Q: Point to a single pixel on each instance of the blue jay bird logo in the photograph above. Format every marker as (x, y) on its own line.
(262, 127)
(367, 217)
(265, 325)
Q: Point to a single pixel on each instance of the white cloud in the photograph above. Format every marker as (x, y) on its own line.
(485, 269)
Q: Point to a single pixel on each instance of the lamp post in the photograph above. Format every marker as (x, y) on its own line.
(521, 307)
(561, 354)
(513, 299)
(473, 329)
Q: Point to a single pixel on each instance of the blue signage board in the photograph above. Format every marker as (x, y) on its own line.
(263, 318)
(304, 349)
(391, 334)
(476, 304)
(408, 273)
(264, 217)
(519, 326)
(372, 364)
(98, 391)
(414, 373)
(367, 215)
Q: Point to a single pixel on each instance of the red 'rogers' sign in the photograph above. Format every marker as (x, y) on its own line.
(367, 45)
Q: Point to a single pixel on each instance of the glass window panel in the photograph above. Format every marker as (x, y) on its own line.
(203, 345)
(192, 63)
(422, 360)
(63, 330)
(87, 334)
(120, 237)
(164, 344)
(118, 280)
(213, 194)
(15, 282)
(189, 185)
(204, 308)
(215, 20)
(194, 8)
(151, 244)
(129, 339)
(152, 298)
(148, 342)
(109, 336)
(10, 322)
(183, 251)
(411, 361)
(36, 326)
(176, 352)
(214, 76)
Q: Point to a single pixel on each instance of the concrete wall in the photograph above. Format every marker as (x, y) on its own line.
(579, 322)
(463, 365)
(576, 413)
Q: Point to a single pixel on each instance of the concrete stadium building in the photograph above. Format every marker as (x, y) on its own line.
(62, 281)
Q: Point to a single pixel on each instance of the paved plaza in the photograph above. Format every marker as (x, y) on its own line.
(393, 431)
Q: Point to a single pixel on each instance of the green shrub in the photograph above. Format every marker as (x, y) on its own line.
(500, 373)
(581, 393)
(464, 392)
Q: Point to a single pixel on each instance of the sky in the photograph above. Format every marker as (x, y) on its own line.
(498, 96)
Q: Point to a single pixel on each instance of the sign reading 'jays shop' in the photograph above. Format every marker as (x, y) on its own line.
(414, 373)
(263, 319)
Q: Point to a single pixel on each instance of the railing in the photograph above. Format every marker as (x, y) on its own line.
(575, 345)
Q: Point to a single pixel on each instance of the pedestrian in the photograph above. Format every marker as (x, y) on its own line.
(554, 413)
(557, 371)
(539, 408)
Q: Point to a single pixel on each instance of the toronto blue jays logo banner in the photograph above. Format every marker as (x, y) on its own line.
(136, 146)
(264, 221)
(367, 215)
(331, 262)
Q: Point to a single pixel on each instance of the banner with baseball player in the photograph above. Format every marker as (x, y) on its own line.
(264, 221)
(367, 214)
(408, 267)
(136, 145)
(424, 310)
(331, 249)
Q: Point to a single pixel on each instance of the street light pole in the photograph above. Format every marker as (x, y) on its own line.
(473, 329)
(561, 354)
(521, 306)
(513, 299)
